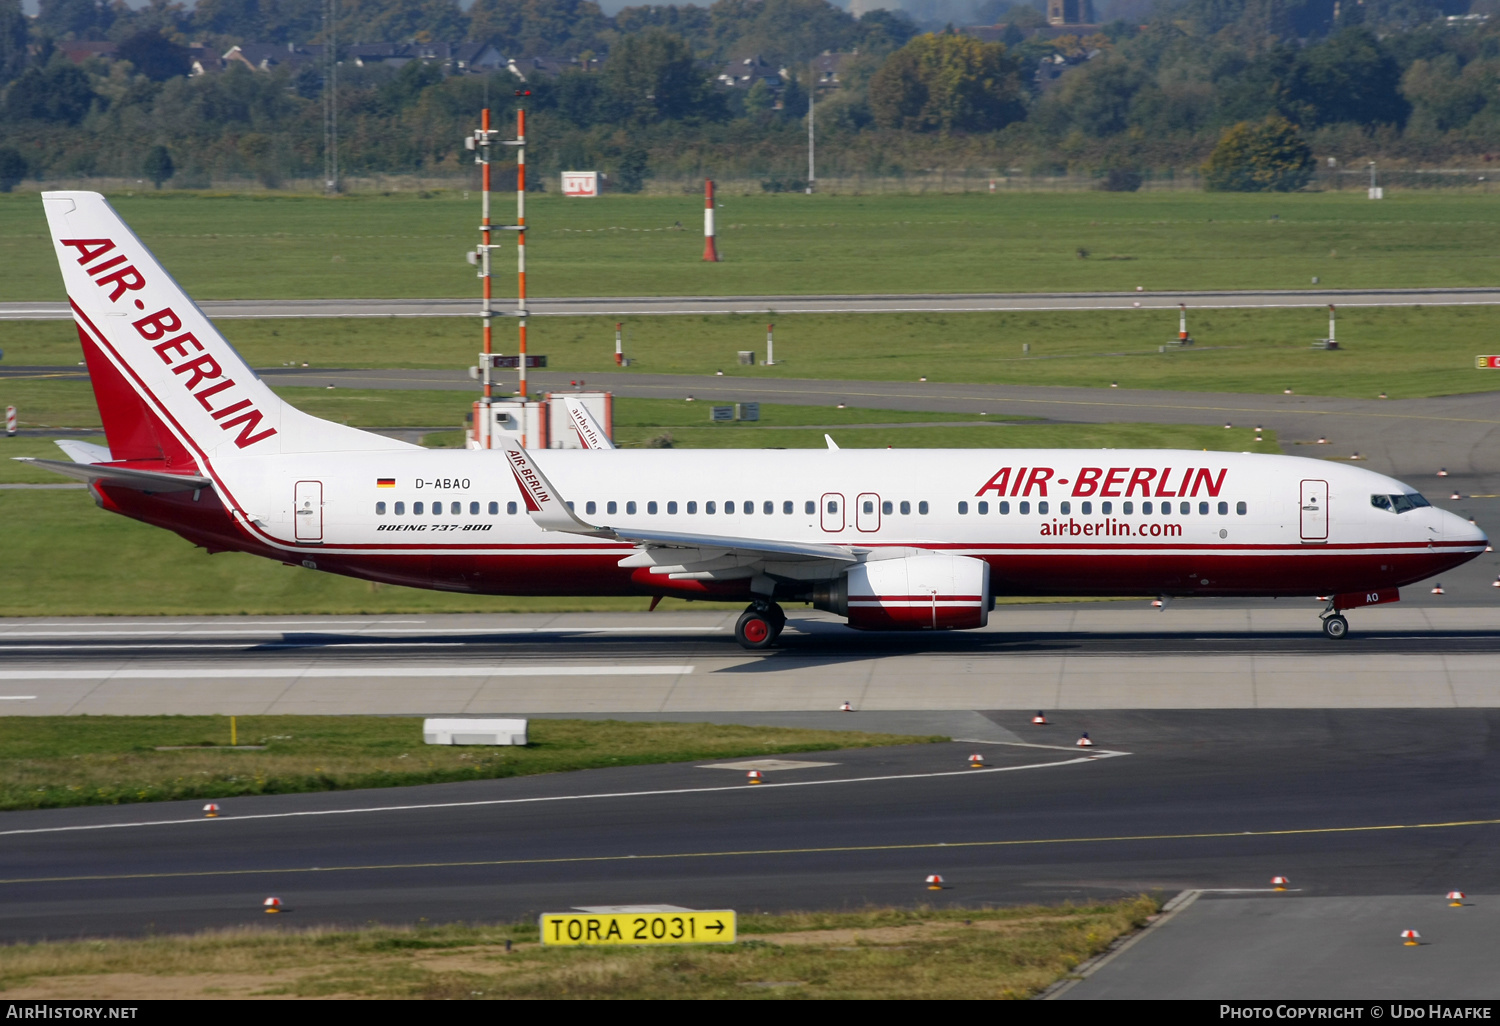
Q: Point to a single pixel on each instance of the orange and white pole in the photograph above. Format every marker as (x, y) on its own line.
(619, 346)
(521, 241)
(710, 250)
(770, 345)
(1182, 322)
(1331, 338)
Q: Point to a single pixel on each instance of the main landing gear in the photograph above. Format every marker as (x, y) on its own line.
(760, 625)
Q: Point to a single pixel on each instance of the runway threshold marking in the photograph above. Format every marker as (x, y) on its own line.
(761, 852)
(1094, 756)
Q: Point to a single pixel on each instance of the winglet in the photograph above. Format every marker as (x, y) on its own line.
(590, 432)
(543, 503)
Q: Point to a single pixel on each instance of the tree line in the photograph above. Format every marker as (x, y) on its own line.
(1388, 79)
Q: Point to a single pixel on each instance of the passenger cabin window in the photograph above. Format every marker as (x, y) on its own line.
(963, 507)
(1025, 508)
(786, 508)
(811, 508)
(833, 505)
(672, 509)
(729, 507)
(630, 507)
(380, 509)
(437, 509)
(905, 508)
(1041, 507)
(1088, 507)
(591, 507)
(768, 507)
(651, 508)
(710, 508)
(510, 507)
(494, 508)
(611, 507)
(1186, 508)
(749, 507)
(982, 507)
(1239, 507)
(1203, 509)
(922, 507)
(1104, 507)
(1145, 508)
(1004, 508)
(473, 509)
(400, 509)
(692, 508)
(1223, 509)
(1066, 507)
(417, 508)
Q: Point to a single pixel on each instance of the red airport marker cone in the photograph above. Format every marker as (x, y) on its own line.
(1040, 719)
(272, 904)
(1156, 604)
(1455, 495)
(846, 707)
(1411, 938)
(210, 810)
(1279, 882)
(1437, 589)
(1085, 741)
(976, 761)
(1443, 472)
(934, 882)
(753, 777)
(1455, 899)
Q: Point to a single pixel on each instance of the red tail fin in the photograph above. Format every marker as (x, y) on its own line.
(131, 429)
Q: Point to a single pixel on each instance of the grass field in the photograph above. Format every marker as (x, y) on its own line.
(51, 762)
(1403, 351)
(227, 246)
(893, 954)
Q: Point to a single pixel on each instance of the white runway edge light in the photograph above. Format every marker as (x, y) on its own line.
(1411, 938)
(272, 904)
(1085, 741)
(210, 810)
(976, 761)
(934, 882)
(1280, 882)
(1455, 899)
(1040, 719)
(473, 732)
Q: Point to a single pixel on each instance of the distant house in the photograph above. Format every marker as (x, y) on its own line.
(744, 73)
(1050, 69)
(269, 56)
(828, 68)
(1070, 12)
(527, 68)
(82, 50)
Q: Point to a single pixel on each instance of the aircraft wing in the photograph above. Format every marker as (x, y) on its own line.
(678, 555)
(145, 480)
(590, 432)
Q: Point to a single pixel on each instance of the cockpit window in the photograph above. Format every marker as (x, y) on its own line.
(1399, 503)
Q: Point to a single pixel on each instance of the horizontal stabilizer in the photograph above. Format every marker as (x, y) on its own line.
(145, 480)
(84, 452)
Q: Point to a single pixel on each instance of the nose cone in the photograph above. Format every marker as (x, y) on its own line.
(1456, 529)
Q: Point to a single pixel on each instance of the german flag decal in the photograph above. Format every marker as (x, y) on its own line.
(385, 482)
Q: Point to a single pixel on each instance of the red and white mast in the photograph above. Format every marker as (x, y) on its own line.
(710, 251)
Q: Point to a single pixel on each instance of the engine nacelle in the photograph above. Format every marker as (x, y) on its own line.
(929, 592)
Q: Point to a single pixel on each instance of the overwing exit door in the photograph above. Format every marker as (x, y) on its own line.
(1314, 510)
(308, 512)
(831, 510)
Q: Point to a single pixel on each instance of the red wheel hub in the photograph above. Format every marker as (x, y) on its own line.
(757, 630)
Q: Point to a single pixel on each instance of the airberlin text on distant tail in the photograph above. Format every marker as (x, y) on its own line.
(1108, 482)
(182, 352)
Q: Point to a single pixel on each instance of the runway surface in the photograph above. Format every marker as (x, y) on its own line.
(1195, 655)
(1343, 802)
(622, 306)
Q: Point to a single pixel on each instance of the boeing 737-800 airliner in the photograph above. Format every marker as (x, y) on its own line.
(890, 539)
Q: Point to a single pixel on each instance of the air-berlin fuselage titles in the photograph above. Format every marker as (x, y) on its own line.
(891, 539)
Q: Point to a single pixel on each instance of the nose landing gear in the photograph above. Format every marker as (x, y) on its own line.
(760, 625)
(1335, 625)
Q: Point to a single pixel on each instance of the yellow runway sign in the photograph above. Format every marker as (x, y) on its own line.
(580, 928)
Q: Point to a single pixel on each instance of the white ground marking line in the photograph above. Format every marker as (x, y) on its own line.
(17, 698)
(741, 788)
(281, 672)
(1024, 744)
(209, 623)
(403, 630)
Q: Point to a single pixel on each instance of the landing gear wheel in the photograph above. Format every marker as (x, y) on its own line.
(1335, 626)
(756, 629)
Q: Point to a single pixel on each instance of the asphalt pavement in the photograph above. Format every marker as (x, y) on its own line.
(624, 306)
(1352, 802)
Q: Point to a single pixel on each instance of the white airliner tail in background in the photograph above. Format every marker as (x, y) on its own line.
(888, 539)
